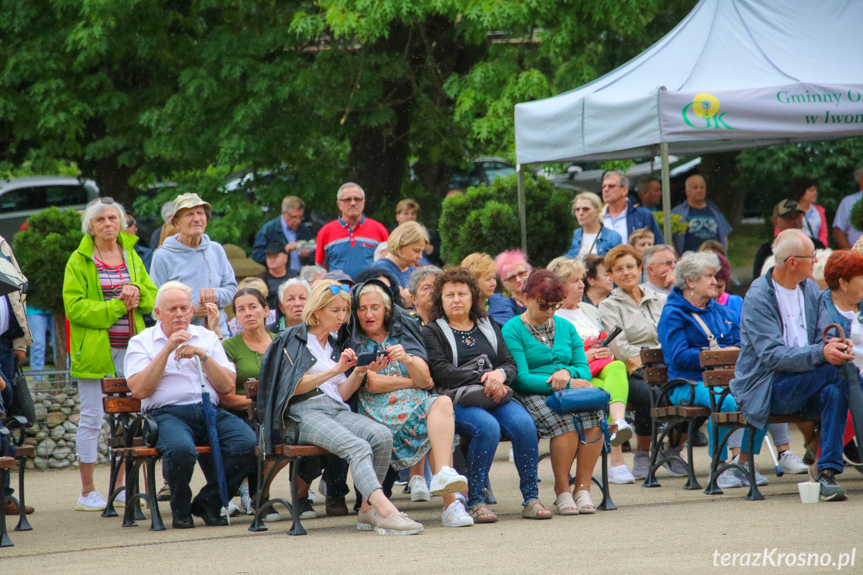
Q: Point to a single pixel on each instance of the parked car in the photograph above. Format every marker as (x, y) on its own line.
(483, 170)
(22, 197)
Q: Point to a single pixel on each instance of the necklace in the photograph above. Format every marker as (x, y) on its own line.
(543, 333)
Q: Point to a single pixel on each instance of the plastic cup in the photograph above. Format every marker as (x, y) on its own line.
(810, 491)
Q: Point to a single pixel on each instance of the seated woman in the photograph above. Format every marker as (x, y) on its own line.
(636, 310)
(598, 284)
(483, 269)
(458, 334)
(406, 246)
(293, 295)
(591, 237)
(689, 321)
(512, 268)
(550, 356)
(303, 386)
(398, 396)
(733, 302)
(610, 374)
(234, 325)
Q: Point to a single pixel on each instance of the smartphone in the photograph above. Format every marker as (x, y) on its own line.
(364, 359)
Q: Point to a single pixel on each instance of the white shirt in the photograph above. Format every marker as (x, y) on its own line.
(179, 385)
(588, 244)
(586, 329)
(791, 308)
(843, 214)
(812, 222)
(618, 223)
(856, 336)
(657, 289)
(325, 362)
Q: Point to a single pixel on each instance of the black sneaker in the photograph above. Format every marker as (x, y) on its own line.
(830, 490)
(700, 439)
(306, 509)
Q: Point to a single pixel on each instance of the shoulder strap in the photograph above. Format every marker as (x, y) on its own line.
(710, 338)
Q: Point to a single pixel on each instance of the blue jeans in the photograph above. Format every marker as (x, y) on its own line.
(702, 399)
(181, 427)
(820, 392)
(41, 328)
(486, 428)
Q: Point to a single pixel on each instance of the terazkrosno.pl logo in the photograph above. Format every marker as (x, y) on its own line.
(703, 113)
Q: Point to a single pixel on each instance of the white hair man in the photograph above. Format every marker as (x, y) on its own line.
(659, 263)
(784, 367)
(161, 371)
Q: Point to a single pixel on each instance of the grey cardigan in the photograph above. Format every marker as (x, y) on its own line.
(763, 352)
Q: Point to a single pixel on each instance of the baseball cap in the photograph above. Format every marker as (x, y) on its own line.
(786, 208)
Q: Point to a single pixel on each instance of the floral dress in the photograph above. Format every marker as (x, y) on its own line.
(404, 411)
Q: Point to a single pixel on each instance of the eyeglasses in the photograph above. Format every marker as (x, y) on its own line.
(576, 210)
(626, 268)
(344, 287)
(352, 200)
(812, 257)
(105, 200)
(547, 306)
(519, 275)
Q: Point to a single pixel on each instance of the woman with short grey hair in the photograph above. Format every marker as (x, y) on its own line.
(692, 265)
(293, 295)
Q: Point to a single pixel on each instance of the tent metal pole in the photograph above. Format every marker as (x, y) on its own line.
(522, 209)
(666, 193)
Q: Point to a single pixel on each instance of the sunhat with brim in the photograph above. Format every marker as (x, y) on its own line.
(184, 201)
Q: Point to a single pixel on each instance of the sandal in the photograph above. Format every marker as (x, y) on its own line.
(534, 509)
(482, 514)
(565, 504)
(584, 502)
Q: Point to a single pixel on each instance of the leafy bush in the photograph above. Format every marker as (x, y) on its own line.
(678, 224)
(486, 220)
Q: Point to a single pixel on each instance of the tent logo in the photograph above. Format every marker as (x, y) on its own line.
(703, 113)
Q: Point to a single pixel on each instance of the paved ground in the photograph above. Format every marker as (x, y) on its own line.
(663, 530)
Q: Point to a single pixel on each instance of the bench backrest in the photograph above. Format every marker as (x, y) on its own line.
(653, 366)
(252, 394)
(718, 366)
(118, 397)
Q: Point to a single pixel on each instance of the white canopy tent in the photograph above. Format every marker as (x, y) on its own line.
(733, 74)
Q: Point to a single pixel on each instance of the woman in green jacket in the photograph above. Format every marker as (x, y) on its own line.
(549, 356)
(105, 283)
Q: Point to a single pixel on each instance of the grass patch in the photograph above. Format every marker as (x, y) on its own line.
(743, 243)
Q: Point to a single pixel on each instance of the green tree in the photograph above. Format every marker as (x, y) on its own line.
(486, 220)
(42, 251)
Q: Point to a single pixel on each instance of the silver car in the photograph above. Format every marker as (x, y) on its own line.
(22, 197)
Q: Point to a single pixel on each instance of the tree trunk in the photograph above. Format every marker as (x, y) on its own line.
(720, 171)
(113, 180)
(60, 356)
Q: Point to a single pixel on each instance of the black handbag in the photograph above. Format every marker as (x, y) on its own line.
(22, 404)
(474, 395)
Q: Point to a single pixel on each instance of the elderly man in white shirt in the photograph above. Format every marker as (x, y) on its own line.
(162, 373)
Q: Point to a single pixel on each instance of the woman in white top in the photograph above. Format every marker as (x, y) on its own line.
(608, 373)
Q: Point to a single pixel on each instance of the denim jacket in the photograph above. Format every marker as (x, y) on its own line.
(606, 240)
(835, 316)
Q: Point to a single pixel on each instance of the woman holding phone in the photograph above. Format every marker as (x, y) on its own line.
(398, 395)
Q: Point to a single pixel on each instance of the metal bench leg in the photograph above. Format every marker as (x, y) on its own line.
(296, 526)
(691, 482)
(650, 480)
(718, 446)
(754, 494)
(132, 470)
(257, 523)
(5, 541)
(156, 523)
(606, 504)
(23, 523)
(109, 510)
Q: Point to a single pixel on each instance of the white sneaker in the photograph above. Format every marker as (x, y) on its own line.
(456, 516)
(446, 481)
(792, 464)
(233, 510)
(623, 434)
(313, 497)
(93, 502)
(120, 500)
(729, 479)
(759, 479)
(620, 475)
(419, 490)
(246, 505)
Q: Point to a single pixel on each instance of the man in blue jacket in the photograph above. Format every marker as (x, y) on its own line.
(620, 213)
(784, 367)
(288, 229)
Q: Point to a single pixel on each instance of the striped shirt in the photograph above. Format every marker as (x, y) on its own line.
(112, 279)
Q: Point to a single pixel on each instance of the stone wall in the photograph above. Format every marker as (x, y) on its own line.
(57, 416)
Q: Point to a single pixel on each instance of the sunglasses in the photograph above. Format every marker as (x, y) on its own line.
(548, 306)
(344, 287)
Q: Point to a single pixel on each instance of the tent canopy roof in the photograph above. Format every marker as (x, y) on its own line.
(721, 46)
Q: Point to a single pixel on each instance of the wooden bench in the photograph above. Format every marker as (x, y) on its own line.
(717, 372)
(15, 432)
(662, 412)
(282, 453)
